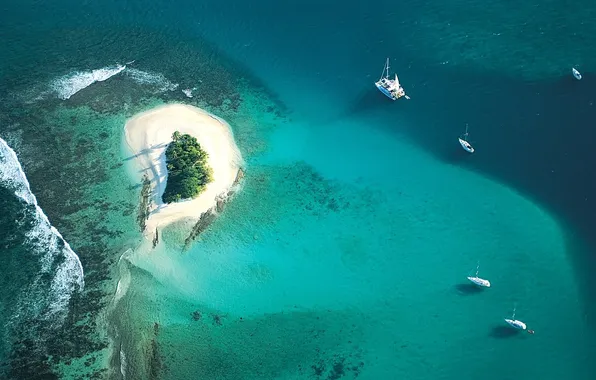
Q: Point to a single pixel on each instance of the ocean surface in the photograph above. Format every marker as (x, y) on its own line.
(345, 254)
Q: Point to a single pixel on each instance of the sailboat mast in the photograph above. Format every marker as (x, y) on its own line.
(477, 269)
(387, 75)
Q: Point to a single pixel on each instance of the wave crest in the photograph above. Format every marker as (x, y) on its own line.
(159, 81)
(70, 84)
(55, 257)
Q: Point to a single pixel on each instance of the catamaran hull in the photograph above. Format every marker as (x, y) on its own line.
(466, 145)
(385, 92)
(480, 282)
(516, 324)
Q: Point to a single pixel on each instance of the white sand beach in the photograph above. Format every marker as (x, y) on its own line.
(148, 134)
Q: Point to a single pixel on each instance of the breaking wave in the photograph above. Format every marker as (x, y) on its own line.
(60, 272)
(159, 81)
(68, 85)
(188, 92)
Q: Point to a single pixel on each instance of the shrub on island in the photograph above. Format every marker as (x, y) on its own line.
(188, 171)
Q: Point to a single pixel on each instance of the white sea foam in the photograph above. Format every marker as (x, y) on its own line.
(123, 363)
(121, 290)
(122, 287)
(68, 85)
(46, 242)
(159, 81)
(124, 281)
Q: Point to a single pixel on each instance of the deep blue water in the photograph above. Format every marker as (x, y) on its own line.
(514, 88)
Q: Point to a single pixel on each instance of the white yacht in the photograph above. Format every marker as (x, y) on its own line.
(391, 88)
(464, 142)
(576, 74)
(515, 323)
(479, 281)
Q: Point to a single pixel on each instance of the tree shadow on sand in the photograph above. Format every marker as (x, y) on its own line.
(468, 289)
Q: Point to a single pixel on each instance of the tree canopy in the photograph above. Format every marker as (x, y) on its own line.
(188, 171)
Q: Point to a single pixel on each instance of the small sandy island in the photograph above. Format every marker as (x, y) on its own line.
(148, 135)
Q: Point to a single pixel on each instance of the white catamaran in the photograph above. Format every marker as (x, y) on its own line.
(479, 281)
(464, 142)
(391, 88)
(576, 74)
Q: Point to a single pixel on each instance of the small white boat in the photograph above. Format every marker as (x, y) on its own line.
(391, 88)
(479, 281)
(576, 74)
(515, 323)
(464, 142)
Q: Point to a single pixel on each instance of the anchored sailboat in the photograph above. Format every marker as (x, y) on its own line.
(464, 143)
(479, 281)
(391, 88)
(576, 74)
(515, 323)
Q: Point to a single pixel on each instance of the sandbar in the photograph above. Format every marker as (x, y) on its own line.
(148, 135)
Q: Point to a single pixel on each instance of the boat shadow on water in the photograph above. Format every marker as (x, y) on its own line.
(501, 332)
(454, 156)
(468, 289)
(367, 101)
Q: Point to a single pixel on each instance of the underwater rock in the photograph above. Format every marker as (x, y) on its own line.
(145, 204)
(239, 177)
(209, 216)
(156, 238)
(196, 315)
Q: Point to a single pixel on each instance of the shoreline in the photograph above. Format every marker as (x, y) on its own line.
(147, 136)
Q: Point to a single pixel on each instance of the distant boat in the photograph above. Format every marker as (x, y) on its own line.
(464, 142)
(515, 323)
(576, 74)
(479, 281)
(391, 88)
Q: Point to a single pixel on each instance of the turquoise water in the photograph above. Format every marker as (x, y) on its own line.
(395, 290)
(345, 254)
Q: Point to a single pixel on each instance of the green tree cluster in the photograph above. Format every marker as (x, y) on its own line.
(188, 172)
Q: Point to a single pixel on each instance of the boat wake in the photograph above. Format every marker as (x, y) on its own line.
(59, 272)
